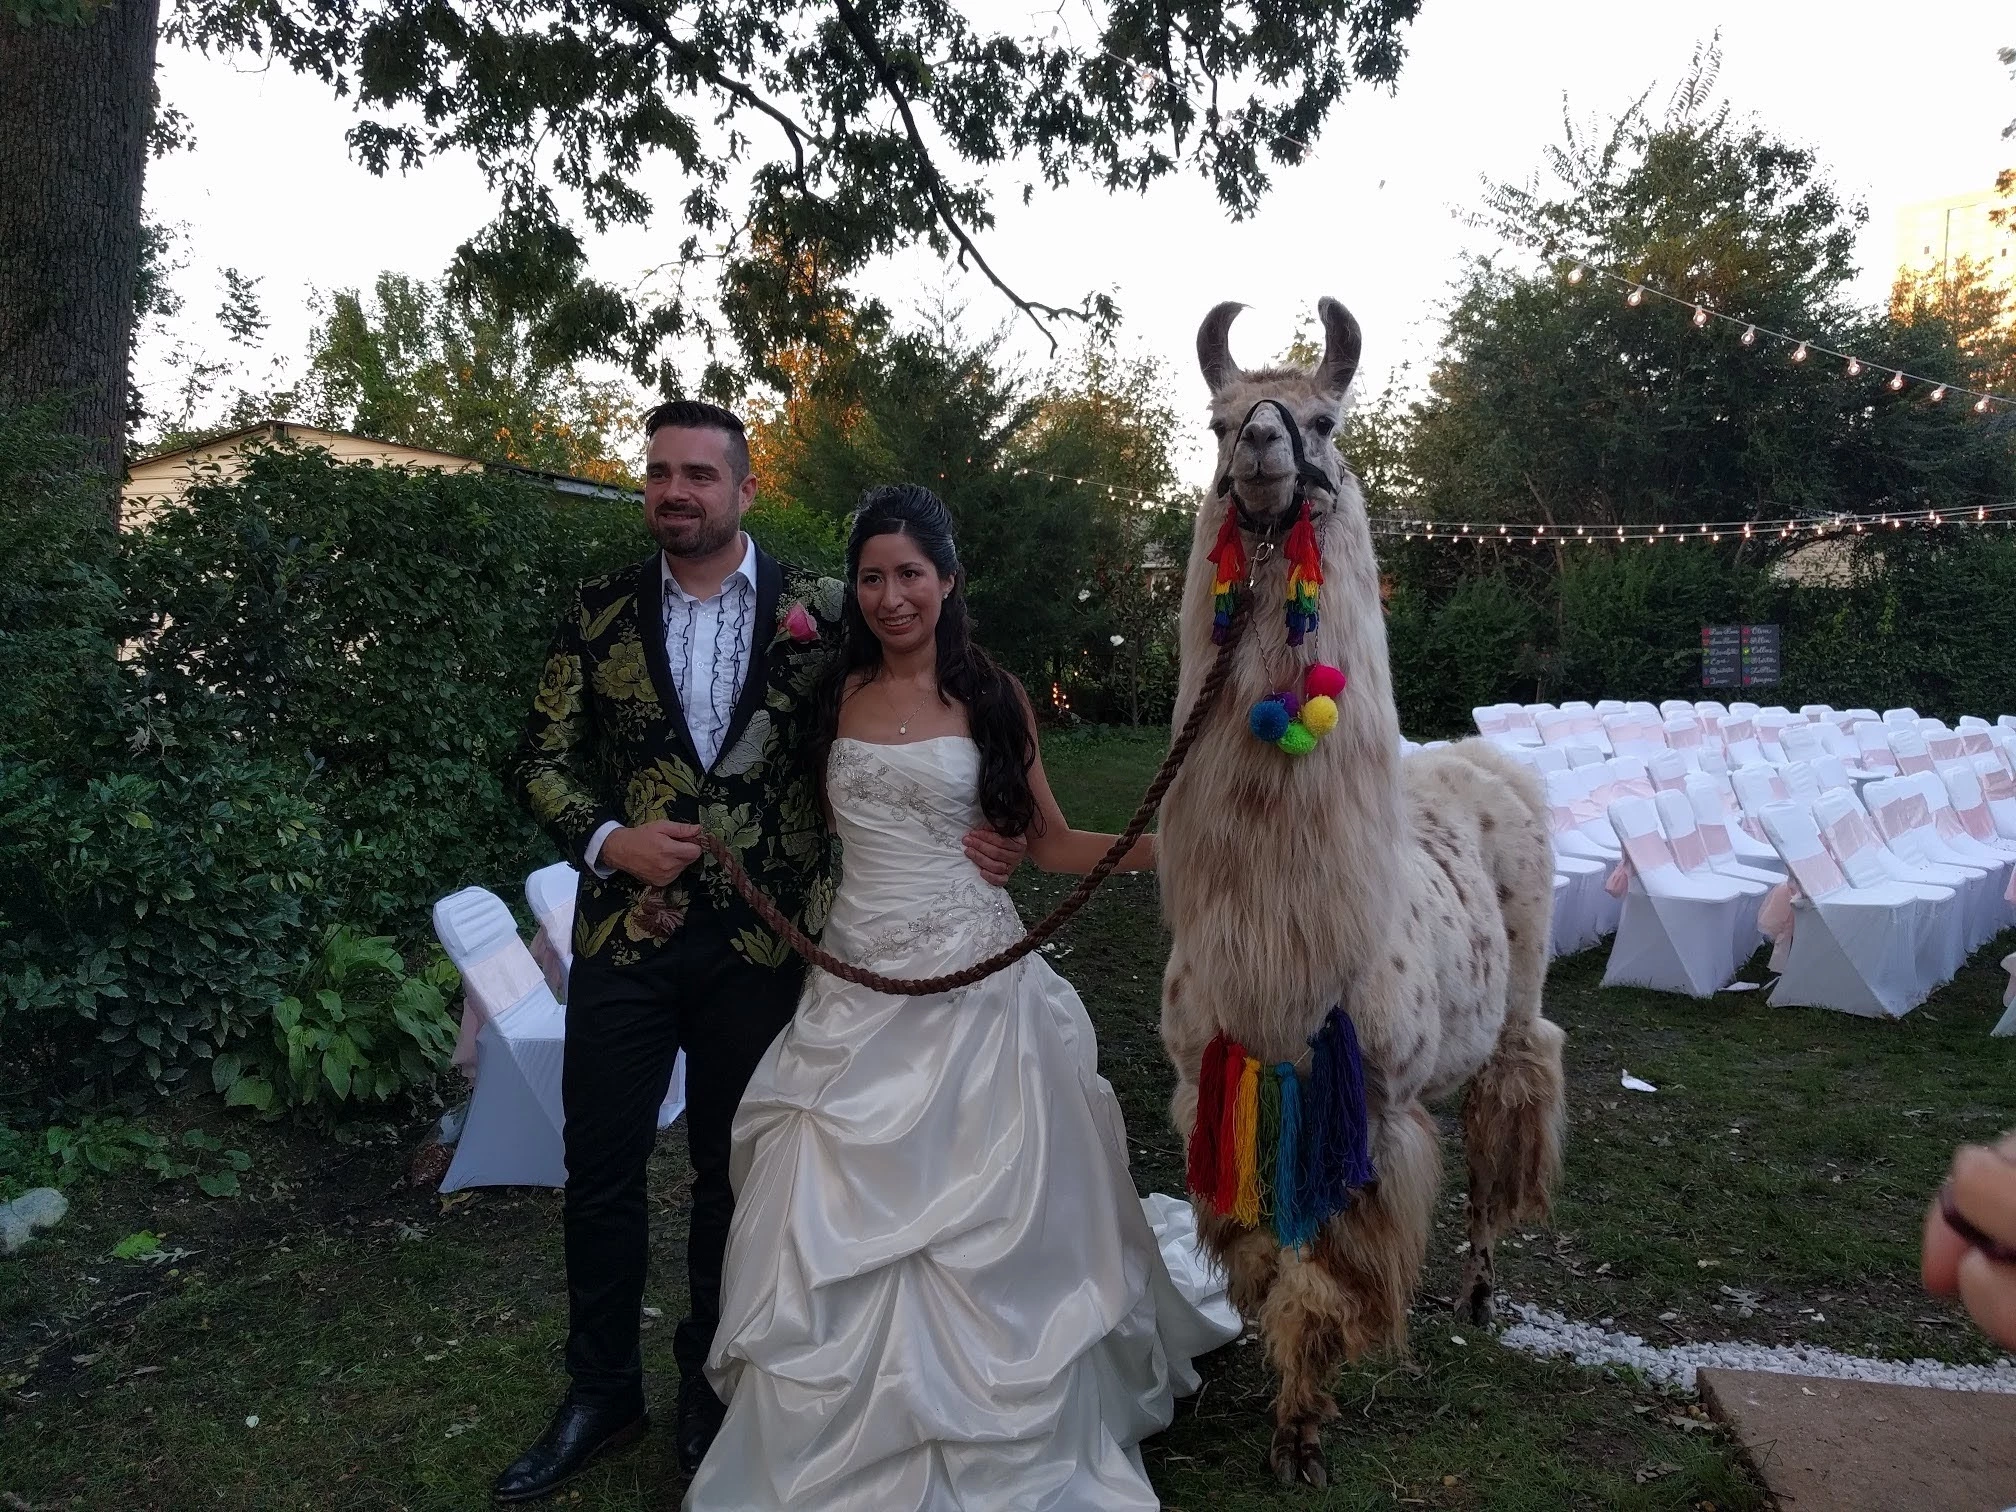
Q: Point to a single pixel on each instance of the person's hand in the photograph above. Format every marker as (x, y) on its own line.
(1983, 1195)
(654, 853)
(995, 854)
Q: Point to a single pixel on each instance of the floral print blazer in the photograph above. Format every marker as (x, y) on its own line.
(607, 740)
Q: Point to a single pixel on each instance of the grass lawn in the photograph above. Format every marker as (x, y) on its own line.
(397, 1348)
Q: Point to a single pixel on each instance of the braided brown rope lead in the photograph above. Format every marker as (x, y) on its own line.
(792, 935)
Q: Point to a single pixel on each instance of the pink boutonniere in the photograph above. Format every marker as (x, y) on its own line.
(800, 626)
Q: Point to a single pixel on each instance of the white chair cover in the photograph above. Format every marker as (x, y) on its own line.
(1868, 862)
(1903, 817)
(514, 1031)
(1872, 743)
(1691, 853)
(1731, 849)
(549, 893)
(1679, 931)
(1855, 950)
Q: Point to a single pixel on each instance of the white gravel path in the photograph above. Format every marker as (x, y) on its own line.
(1550, 1335)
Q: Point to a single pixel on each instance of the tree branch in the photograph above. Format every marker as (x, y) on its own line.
(653, 26)
(934, 186)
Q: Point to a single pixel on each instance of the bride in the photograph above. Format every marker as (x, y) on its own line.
(941, 1290)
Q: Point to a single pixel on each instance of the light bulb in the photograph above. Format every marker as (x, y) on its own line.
(1575, 274)
(1981, 405)
(1854, 367)
(1939, 393)
(1700, 317)
(1749, 335)
(1636, 297)
(1896, 383)
(1799, 352)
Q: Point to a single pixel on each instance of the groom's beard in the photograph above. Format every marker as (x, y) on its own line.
(689, 535)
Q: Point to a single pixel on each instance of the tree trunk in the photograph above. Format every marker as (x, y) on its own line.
(76, 99)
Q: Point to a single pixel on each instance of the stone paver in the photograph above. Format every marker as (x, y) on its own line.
(1861, 1446)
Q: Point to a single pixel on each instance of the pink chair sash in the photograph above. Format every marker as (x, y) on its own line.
(1880, 757)
(1684, 740)
(1774, 919)
(1976, 743)
(1716, 838)
(1779, 792)
(1672, 784)
(1752, 828)
(1642, 854)
(1818, 875)
(1944, 747)
(1998, 786)
(1636, 787)
(1690, 850)
(489, 986)
(1492, 723)
(1977, 821)
(1910, 766)
(1736, 730)
(1561, 817)
(1947, 822)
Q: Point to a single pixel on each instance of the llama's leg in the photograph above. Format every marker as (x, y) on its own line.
(1249, 1257)
(1187, 1028)
(1513, 1117)
(1349, 1299)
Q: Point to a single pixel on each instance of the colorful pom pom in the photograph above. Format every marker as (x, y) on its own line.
(1268, 720)
(1319, 715)
(1322, 681)
(1296, 740)
(1292, 702)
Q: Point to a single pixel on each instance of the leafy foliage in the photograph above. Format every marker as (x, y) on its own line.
(846, 131)
(359, 1030)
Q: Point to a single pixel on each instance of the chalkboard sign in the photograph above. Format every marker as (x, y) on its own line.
(1760, 655)
(1722, 656)
(1740, 656)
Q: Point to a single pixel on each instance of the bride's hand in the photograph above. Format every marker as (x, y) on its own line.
(995, 855)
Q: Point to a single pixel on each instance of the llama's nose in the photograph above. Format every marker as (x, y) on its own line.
(1261, 437)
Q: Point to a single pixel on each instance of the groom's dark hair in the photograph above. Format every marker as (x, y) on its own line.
(697, 414)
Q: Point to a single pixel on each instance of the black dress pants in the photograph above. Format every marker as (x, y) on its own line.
(625, 1025)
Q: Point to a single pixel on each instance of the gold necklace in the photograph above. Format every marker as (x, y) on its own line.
(903, 728)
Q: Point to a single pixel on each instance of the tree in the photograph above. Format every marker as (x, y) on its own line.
(849, 127)
(417, 364)
(76, 104)
(1561, 403)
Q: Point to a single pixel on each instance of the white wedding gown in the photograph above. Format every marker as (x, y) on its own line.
(942, 1291)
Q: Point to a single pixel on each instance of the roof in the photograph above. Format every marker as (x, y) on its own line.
(315, 435)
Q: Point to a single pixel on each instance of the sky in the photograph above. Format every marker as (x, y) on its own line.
(1901, 103)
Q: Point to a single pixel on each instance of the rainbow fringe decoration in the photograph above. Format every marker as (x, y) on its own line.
(1271, 1149)
(1229, 558)
(1305, 575)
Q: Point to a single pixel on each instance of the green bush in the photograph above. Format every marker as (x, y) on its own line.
(358, 1030)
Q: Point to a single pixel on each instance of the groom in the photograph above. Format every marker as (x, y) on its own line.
(678, 695)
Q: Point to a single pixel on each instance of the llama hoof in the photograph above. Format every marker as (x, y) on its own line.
(1297, 1456)
(1477, 1298)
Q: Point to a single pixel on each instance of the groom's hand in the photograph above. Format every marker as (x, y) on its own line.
(995, 854)
(654, 853)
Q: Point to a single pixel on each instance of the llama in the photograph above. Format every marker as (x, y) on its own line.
(1414, 894)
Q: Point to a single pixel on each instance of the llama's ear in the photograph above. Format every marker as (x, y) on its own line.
(1341, 343)
(1214, 351)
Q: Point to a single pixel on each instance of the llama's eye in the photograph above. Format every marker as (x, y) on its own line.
(1323, 425)
(1218, 429)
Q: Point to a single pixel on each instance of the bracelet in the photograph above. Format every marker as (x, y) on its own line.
(1992, 1247)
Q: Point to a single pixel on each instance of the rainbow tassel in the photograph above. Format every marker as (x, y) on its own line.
(1245, 1140)
(1288, 1209)
(1305, 575)
(1270, 1140)
(1228, 556)
(1203, 1171)
(1225, 1195)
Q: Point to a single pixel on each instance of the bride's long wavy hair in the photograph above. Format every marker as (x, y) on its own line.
(994, 704)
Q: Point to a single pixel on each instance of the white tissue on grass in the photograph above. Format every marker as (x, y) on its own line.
(1634, 1084)
(1742, 986)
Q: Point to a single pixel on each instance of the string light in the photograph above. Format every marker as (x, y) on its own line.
(1786, 529)
(1752, 335)
(1896, 383)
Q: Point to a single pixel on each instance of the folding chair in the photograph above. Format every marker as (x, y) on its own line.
(1690, 852)
(549, 893)
(1867, 862)
(1872, 746)
(1577, 823)
(511, 1136)
(1731, 849)
(1684, 733)
(1998, 788)
(1913, 755)
(1679, 932)
(1848, 948)
(1669, 771)
(1492, 723)
(1903, 817)
(1739, 742)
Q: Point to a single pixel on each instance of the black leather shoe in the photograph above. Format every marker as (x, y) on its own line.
(579, 1434)
(700, 1418)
